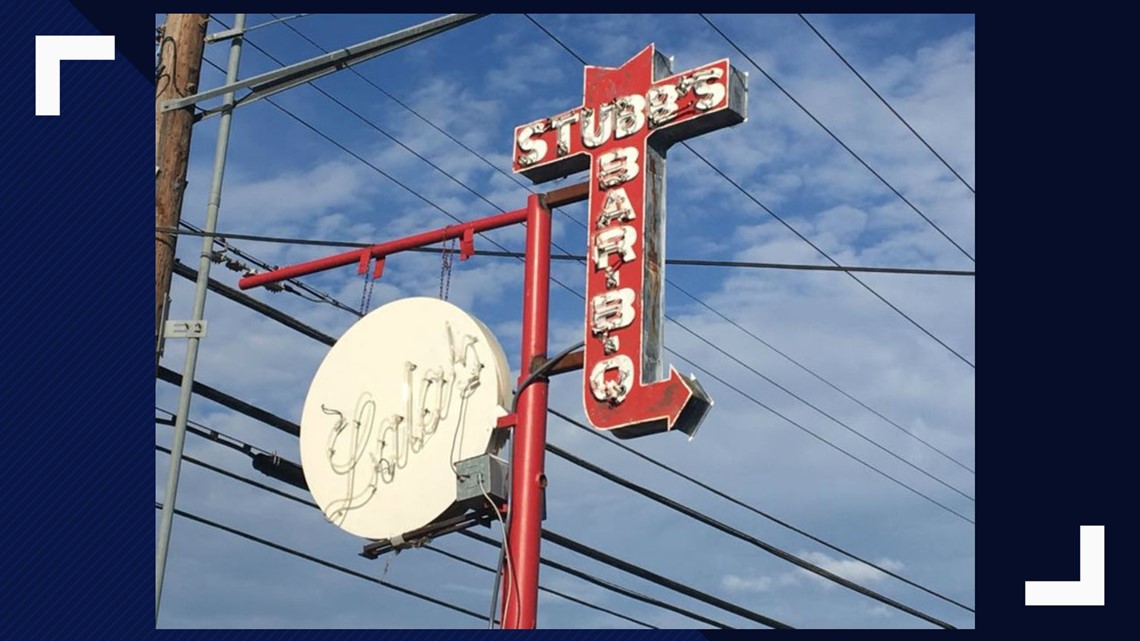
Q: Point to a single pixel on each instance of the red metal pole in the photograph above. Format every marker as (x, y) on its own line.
(520, 581)
(381, 250)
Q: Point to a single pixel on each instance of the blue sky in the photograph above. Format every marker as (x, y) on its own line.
(480, 81)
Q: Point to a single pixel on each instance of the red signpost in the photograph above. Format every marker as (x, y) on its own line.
(630, 117)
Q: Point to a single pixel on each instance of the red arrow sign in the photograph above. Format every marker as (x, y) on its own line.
(631, 115)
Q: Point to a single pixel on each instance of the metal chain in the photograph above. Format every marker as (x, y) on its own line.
(447, 257)
(366, 295)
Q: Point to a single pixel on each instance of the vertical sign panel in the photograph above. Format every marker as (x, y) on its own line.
(630, 117)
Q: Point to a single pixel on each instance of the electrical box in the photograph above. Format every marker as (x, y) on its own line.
(479, 477)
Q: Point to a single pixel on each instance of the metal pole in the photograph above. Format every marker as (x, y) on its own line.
(520, 595)
(163, 544)
(381, 250)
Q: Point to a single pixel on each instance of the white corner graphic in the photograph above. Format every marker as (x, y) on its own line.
(50, 50)
(1089, 590)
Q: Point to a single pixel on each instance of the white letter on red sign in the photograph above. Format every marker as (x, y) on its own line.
(630, 116)
(595, 134)
(561, 123)
(617, 167)
(708, 88)
(662, 104)
(533, 150)
(615, 240)
(612, 310)
(612, 391)
(616, 207)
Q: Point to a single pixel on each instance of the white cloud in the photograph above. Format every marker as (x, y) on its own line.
(734, 583)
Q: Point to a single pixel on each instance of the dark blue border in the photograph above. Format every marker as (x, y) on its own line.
(1054, 390)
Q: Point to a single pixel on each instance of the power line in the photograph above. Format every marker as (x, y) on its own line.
(258, 414)
(238, 477)
(560, 567)
(774, 215)
(319, 296)
(319, 561)
(218, 437)
(815, 407)
(572, 599)
(394, 139)
(276, 20)
(310, 504)
(248, 301)
(795, 231)
(294, 429)
(653, 577)
(837, 139)
(824, 380)
(383, 173)
(822, 439)
(758, 511)
(613, 587)
(690, 262)
(415, 113)
(885, 103)
(727, 529)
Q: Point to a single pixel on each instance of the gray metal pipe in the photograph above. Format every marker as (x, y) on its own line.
(163, 546)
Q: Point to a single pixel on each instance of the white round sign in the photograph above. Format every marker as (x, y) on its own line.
(410, 389)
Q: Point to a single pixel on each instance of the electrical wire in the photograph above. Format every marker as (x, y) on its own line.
(514, 586)
(774, 215)
(319, 296)
(276, 20)
(310, 504)
(727, 529)
(229, 441)
(253, 412)
(822, 439)
(687, 262)
(411, 191)
(563, 595)
(213, 394)
(836, 138)
(406, 107)
(542, 371)
(613, 587)
(885, 103)
(758, 511)
(319, 561)
(833, 386)
(795, 231)
(822, 412)
(292, 428)
(648, 575)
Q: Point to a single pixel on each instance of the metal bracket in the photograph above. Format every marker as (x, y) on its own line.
(184, 329)
(224, 35)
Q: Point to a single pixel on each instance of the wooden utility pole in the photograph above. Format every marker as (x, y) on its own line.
(182, 42)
